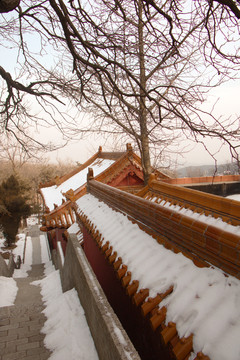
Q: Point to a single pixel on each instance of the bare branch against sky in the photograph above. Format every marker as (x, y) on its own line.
(141, 68)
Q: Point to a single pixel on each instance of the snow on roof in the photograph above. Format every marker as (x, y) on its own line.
(54, 194)
(204, 301)
(207, 219)
(234, 197)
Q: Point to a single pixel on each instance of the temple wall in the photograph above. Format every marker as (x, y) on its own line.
(146, 341)
(110, 339)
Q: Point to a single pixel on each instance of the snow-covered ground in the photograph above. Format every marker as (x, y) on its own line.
(66, 329)
(8, 286)
(44, 248)
(210, 220)
(204, 302)
(8, 291)
(20, 243)
(19, 250)
(2, 240)
(22, 272)
(16, 251)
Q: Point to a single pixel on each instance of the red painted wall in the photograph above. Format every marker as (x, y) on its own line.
(131, 180)
(145, 341)
(56, 235)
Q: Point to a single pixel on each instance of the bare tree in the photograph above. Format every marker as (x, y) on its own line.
(144, 67)
(17, 154)
(221, 24)
(136, 66)
(35, 94)
(11, 151)
(8, 5)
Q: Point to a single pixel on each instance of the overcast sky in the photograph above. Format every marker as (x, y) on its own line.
(228, 105)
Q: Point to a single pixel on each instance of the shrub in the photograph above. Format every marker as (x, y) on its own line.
(14, 206)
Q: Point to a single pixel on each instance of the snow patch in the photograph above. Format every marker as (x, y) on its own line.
(66, 328)
(20, 243)
(60, 250)
(74, 228)
(22, 272)
(48, 268)
(44, 249)
(234, 197)
(218, 222)
(8, 291)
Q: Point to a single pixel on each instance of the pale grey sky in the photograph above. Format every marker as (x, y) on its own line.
(227, 105)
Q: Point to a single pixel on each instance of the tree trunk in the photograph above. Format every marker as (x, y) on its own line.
(145, 155)
(8, 5)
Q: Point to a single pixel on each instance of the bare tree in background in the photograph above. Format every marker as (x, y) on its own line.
(144, 67)
(14, 153)
(10, 150)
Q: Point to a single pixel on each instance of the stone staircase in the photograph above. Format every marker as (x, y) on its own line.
(21, 324)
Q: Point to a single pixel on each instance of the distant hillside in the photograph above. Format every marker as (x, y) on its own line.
(208, 170)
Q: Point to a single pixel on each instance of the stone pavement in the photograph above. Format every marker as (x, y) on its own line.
(20, 325)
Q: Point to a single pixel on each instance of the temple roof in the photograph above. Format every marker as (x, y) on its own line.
(54, 192)
(194, 203)
(201, 302)
(175, 251)
(54, 195)
(113, 168)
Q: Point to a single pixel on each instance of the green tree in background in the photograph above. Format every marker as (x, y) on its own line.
(13, 207)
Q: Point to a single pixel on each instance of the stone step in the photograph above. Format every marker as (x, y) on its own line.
(20, 332)
(37, 270)
(21, 324)
(33, 231)
(27, 293)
